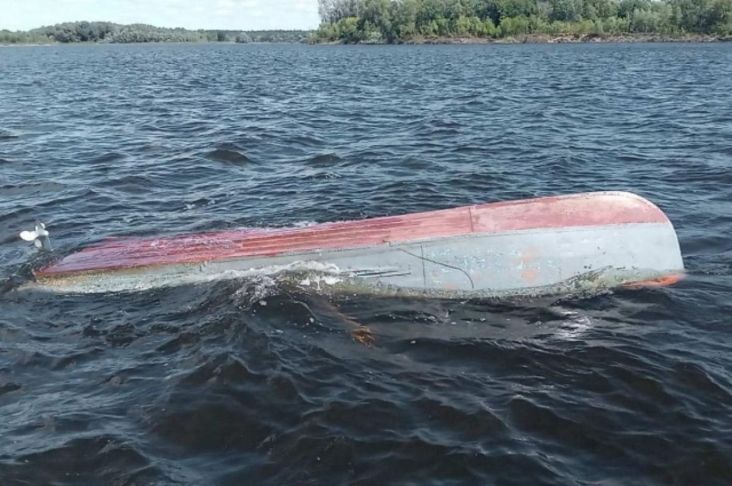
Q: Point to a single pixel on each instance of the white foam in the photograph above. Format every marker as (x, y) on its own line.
(318, 275)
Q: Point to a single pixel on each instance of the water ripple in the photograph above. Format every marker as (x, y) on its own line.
(251, 381)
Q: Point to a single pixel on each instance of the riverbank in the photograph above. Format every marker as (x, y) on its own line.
(109, 32)
(50, 44)
(53, 44)
(460, 22)
(567, 38)
(554, 39)
(520, 39)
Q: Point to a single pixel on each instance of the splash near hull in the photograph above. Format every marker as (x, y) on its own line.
(581, 242)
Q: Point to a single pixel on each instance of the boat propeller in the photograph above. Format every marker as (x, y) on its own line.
(39, 236)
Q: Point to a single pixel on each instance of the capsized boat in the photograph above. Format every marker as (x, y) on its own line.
(551, 245)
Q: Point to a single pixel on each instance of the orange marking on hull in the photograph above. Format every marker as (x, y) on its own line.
(530, 275)
(665, 281)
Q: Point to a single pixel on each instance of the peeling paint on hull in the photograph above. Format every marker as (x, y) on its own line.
(564, 244)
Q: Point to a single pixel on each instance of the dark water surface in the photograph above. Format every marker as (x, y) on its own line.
(249, 382)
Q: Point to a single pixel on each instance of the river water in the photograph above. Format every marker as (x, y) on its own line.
(248, 381)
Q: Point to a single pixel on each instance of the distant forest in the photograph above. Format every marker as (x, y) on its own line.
(394, 21)
(115, 33)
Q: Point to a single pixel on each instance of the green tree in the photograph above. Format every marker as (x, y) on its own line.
(398, 20)
(565, 10)
(404, 18)
(512, 26)
(347, 30)
(517, 8)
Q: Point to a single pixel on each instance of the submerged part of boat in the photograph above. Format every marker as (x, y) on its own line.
(553, 245)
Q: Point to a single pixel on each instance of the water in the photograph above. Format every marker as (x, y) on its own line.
(249, 381)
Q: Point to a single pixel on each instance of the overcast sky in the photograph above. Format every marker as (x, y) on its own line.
(192, 14)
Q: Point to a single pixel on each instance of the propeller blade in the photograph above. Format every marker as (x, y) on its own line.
(39, 237)
(29, 235)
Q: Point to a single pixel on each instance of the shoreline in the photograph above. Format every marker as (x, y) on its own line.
(55, 44)
(553, 39)
(522, 39)
(583, 39)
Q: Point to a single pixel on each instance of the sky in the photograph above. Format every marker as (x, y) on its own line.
(191, 14)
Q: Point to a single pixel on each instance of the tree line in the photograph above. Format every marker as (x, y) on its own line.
(394, 21)
(71, 32)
